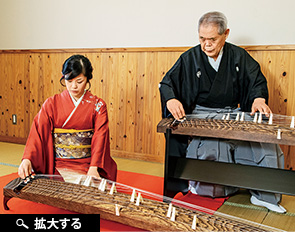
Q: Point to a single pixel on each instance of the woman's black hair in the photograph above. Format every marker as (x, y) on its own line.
(74, 66)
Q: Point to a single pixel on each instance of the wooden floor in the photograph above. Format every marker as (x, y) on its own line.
(238, 205)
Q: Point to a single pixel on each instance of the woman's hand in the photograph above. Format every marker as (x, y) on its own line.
(25, 168)
(260, 105)
(92, 171)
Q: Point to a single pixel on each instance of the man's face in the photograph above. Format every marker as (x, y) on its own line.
(211, 42)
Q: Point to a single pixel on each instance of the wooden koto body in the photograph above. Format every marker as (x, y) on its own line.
(230, 129)
(149, 215)
(244, 176)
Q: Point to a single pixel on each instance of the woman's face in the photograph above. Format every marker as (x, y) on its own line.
(76, 86)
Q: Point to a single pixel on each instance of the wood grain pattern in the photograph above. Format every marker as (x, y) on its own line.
(127, 79)
(149, 215)
(230, 129)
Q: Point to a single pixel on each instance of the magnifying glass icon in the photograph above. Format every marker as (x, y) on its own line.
(20, 222)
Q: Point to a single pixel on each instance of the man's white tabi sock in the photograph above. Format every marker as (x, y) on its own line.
(276, 208)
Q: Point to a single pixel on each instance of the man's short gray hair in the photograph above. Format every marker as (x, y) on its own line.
(216, 18)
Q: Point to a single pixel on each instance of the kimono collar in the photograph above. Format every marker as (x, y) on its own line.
(76, 103)
(215, 63)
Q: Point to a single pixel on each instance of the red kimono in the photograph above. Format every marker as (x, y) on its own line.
(91, 113)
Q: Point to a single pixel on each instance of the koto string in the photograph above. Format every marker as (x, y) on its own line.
(277, 118)
(214, 120)
(160, 198)
(90, 194)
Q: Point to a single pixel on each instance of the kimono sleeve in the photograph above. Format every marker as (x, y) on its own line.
(100, 144)
(39, 146)
(170, 86)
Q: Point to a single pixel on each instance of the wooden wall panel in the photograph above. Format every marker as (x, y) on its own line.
(14, 91)
(277, 66)
(127, 79)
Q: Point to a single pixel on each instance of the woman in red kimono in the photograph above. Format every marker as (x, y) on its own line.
(71, 130)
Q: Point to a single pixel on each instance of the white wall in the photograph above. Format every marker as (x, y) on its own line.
(45, 24)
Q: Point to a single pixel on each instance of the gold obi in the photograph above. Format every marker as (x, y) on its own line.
(72, 144)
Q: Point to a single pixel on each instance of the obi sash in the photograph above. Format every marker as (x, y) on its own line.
(72, 144)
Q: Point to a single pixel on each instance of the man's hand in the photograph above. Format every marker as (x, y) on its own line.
(176, 109)
(259, 105)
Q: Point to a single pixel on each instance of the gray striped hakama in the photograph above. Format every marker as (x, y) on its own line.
(232, 151)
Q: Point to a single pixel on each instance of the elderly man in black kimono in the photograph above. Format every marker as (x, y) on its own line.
(212, 77)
